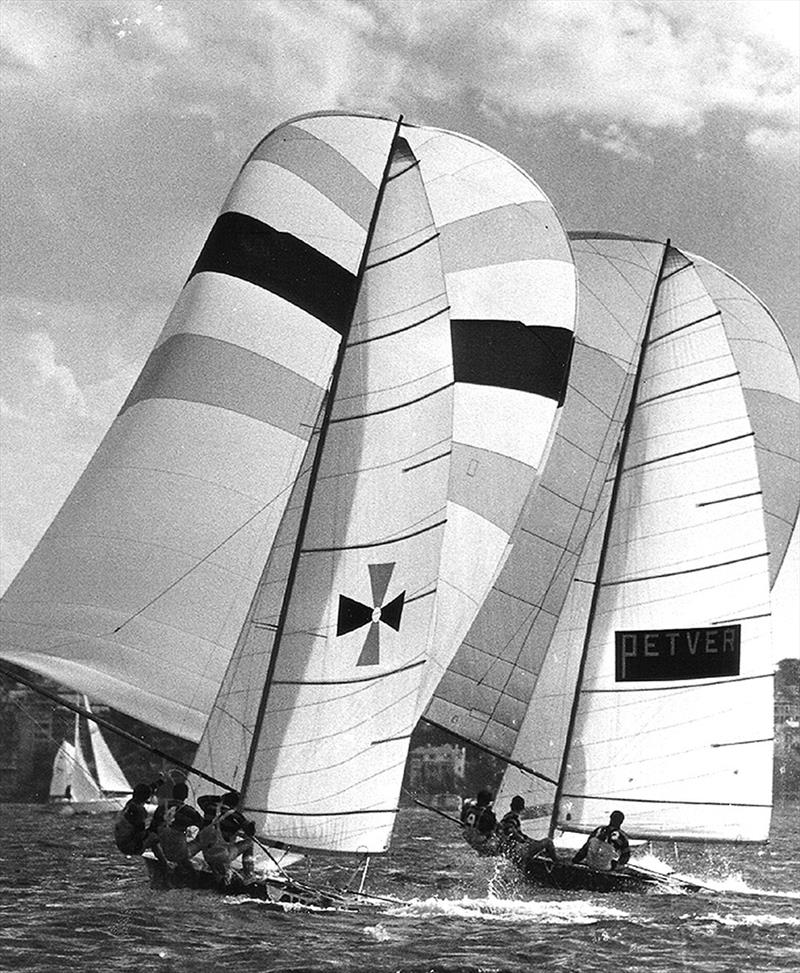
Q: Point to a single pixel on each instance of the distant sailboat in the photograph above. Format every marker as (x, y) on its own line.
(75, 787)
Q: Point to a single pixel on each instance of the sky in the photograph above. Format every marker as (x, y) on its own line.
(125, 123)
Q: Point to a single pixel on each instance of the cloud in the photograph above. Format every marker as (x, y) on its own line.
(51, 374)
(615, 140)
(781, 145)
(656, 64)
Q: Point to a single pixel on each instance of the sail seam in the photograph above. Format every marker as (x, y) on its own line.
(404, 253)
(683, 327)
(346, 682)
(672, 574)
(739, 496)
(404, 736)
(686, 388)
(683, 686)
(685, 452)
(393, 408)
(416, 466)
(743, 743)
(676, 271)
(657, 800)
(358, 547)
(743, 618)
(403, 171)
(408, 327)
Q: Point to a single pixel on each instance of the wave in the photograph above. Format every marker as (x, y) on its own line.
(510, 910)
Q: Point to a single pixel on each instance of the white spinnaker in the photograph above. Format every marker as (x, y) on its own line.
(62, 769)
(506, 658)
(506, 259)
(683, 759)
(109, 773)
(344, 677)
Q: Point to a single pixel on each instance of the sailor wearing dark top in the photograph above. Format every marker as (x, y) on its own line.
(170, 824)
(130, 826)
(606, 847)
(478, 814)
(515, 843)
(223, 821)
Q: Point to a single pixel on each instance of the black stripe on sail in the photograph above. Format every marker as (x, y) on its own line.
(512, 355)
(244, 247)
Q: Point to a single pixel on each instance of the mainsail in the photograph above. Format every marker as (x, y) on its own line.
(139, 589)
(657, 685)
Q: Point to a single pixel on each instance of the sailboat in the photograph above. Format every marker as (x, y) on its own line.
(376, 470)
(293, 521)
(75, 787)
(623, 659)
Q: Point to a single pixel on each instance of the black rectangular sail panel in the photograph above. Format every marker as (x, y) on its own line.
(512, 355)
(244, 247)
(677, 653)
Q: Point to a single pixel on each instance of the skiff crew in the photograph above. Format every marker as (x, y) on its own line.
(480, 823)
(130, 826)
(606, 847)
(222, 823)
(514, 843)
(170, 824)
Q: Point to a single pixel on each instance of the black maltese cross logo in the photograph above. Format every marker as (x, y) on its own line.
(353, 615)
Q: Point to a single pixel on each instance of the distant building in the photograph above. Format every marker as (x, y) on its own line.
(787, 731)
(437, 769)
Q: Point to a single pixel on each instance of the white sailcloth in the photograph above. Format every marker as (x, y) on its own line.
(62, 770)
(683, 757)
(109, 773)
(83, 787)
(139, 589)
(343, 678)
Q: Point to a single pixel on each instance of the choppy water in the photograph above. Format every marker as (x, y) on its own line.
(69, 901)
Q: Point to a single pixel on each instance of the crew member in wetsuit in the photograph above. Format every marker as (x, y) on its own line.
(171, 824)
(607, 847)
(218, 841)
(514, 843)
(130, 826)
(480, 823)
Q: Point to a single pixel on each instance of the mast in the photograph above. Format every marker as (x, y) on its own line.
(325, 422)
(626, 428)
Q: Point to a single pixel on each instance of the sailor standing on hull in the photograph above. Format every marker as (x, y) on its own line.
(607, 847)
